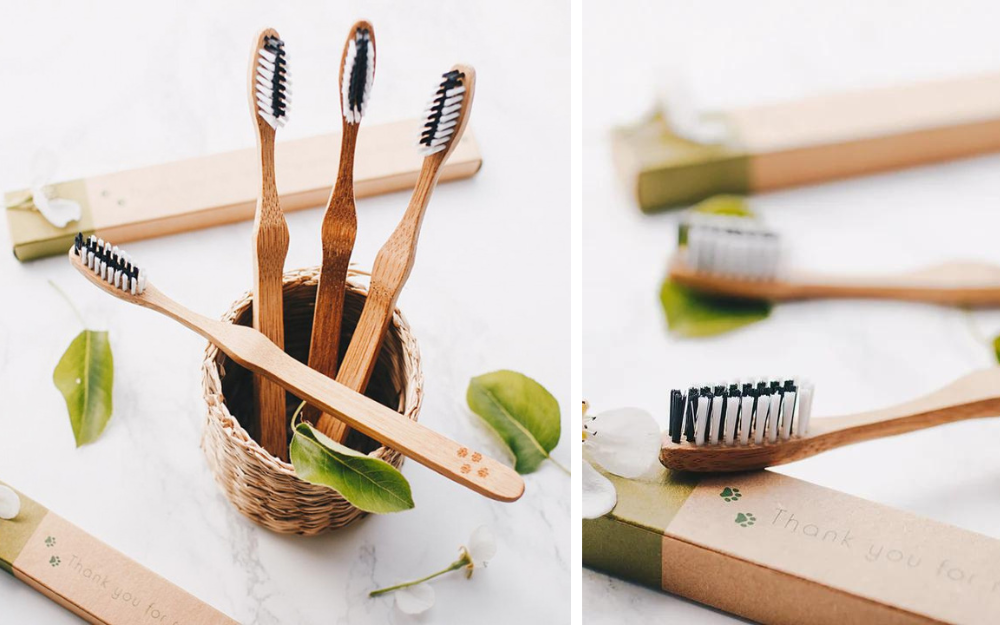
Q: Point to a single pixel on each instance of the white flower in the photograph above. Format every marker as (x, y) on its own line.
(415, 599)
(417, 596)
(57, 211)
(482, 547)
(10, 503)
(623, 442)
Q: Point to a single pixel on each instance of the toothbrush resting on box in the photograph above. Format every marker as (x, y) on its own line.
(758, 424)
(114, 271)
(738, 257)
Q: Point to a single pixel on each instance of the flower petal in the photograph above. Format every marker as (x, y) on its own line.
(624, 441)
(415, 599)
(57, 211)
(10, 503)
(599, 496)
(482, 545)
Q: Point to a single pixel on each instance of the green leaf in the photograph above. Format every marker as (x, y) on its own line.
(84, 376)
(732, 205)
(368, 483)
(996, 348)
(521, 412)
(690, 314)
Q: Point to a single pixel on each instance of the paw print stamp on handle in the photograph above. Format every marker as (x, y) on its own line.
(730, 494)
(745, 519)
(50, 541)
(55, 561)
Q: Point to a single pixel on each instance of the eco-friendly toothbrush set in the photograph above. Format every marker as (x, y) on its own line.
(68, 573)
(812, 140)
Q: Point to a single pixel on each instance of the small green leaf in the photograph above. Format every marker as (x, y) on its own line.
(521, 412)
(690, 314)
(996, 348)
(368, 483)
(84, 376)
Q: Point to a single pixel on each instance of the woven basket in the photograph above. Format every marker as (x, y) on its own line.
(262, 487)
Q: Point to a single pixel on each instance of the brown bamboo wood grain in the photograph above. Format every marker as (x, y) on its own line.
(270, 245)
(392, 267)
(252, 350)
(974, 396)
(339, 230)
(954, 283)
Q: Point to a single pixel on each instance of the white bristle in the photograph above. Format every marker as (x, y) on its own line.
(272, 99)
(110, 263)
(355, 110)
(736, 247)
(442, 115)
(742, 412)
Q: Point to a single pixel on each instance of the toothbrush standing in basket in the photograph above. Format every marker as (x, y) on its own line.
(444, 123)
(269, 99)
(340, 222)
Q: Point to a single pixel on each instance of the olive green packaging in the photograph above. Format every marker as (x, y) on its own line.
(779, 550)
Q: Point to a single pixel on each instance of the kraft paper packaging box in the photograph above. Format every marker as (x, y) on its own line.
(779, 550)
(222, 188)
(808, 141)
(85, 576)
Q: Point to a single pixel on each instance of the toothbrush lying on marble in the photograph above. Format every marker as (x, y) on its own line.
(115, 272)
(269, 99)
(446, 118)
(738, 257)
(740, 427)
(340, 223)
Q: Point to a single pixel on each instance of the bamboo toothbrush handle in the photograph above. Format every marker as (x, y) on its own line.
(458, 463)
(956, 284)
(970, 397)
(340, 226)
(390, 271)
(270, 236)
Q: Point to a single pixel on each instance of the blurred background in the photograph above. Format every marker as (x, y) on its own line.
(860, 355)
(100, 87)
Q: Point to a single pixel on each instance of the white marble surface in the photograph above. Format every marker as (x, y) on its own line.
(860, 355)
(119, 85)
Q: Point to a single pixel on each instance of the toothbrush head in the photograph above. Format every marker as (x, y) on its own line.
(741, 413)
(270, 81)
(448, 112)
(734, 247)
(357, 72)
(108, 265)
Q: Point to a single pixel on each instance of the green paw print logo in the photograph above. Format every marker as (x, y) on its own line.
(730, 494)
(55, 561)
(50, 541)
(745, 520)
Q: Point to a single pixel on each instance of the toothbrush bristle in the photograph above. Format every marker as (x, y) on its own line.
(741, 414)
(359, 74)
(738, 247)
(443, 115)
(272, 85)
(113, 265)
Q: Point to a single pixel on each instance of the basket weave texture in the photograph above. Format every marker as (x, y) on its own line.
(262, 487)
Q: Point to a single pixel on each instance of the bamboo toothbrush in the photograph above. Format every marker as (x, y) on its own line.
(738, 257)
(740, 427)
(269, 97)
(340, 223)
(115, 272)
(446, 118)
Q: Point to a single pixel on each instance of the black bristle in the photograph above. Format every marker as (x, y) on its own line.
(450, 81)
(676, 415)
(277, 47)
(78, 243)
(359, 73)
(692, 402)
